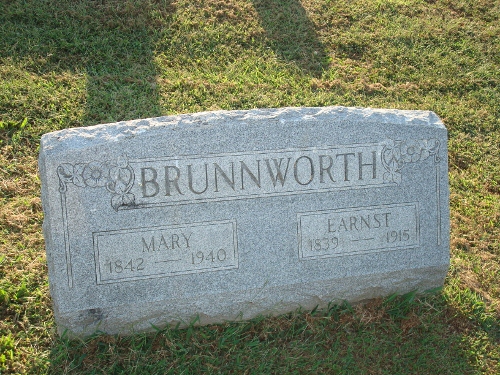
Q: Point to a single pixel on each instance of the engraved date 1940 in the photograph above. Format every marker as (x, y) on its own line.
(212, 256)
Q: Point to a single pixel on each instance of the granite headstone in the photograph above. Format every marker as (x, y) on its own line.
(231, 214)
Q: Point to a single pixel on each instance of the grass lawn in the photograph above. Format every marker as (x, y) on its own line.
(71, 63)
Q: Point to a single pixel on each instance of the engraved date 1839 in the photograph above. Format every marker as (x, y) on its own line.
(323, 244)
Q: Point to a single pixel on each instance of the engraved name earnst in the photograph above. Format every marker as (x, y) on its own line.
(142, 183)
(357, 230)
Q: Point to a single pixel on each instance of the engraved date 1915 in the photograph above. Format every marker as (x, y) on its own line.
(401, 235)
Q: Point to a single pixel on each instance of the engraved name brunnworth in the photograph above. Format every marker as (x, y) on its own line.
(150, 182)
(287, 171)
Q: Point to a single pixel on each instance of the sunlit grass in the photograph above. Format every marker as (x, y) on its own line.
(78, 63)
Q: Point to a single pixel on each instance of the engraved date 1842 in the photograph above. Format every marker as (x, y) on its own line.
(120, 265)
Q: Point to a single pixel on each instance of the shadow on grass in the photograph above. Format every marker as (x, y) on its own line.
(292, 34)
(110, 44)
(400, 335)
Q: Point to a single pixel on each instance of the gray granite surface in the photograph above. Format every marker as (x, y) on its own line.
(231, 214)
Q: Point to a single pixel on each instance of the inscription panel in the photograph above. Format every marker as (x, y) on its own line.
(360, 230)
(146, 253)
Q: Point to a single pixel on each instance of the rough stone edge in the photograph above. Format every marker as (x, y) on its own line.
(93, 135)
(46, 226)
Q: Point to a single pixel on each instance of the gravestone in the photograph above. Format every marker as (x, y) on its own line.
(231, 214)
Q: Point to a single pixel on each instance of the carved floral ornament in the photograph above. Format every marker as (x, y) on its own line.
(117, 177)
(395, 154)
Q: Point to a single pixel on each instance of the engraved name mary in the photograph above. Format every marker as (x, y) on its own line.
(145, 253)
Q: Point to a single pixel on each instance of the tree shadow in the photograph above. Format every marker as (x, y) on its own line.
(292, 34)
(108, 43)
